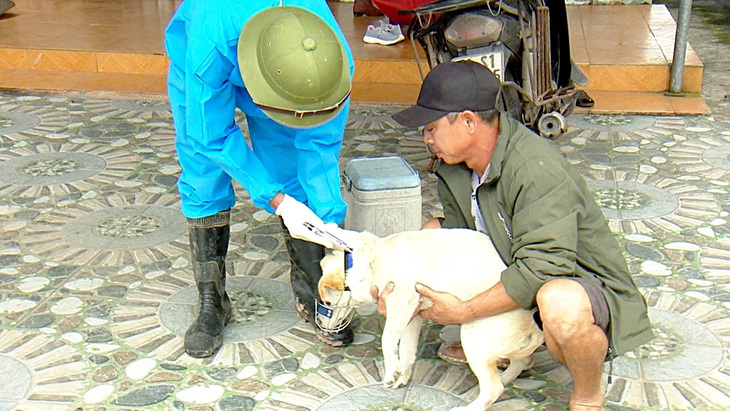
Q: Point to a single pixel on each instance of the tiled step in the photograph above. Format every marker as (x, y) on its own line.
(86, 81)
(639, 77)
(629, 48)
(150, 85)
(622, 49)
(642, 102)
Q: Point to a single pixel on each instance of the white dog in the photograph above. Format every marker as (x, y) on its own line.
(461, 262)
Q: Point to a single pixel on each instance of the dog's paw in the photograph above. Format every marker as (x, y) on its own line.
(394, 381)
(402, 381)
(404, 375)
(469, 407)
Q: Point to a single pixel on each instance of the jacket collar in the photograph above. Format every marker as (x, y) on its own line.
(506, 129)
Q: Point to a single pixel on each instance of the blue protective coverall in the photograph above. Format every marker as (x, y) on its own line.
(205, 88)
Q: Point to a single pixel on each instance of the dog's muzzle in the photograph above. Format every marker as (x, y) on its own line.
(335, 316)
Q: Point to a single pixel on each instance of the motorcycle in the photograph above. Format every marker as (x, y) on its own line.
(524, 42)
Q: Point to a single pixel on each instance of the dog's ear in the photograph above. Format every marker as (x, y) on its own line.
(332, 281)
(333, 274)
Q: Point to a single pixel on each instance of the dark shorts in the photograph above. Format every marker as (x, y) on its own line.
(598, 303)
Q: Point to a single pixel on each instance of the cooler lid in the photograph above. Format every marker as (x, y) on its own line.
(380, 173)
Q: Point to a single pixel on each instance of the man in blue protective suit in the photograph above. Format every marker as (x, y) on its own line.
(289, 69)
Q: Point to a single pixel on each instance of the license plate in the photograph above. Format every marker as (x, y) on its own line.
(493, 60)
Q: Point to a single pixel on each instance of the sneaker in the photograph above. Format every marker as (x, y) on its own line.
(385, 34)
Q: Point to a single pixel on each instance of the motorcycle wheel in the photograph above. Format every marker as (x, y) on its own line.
(552, 125)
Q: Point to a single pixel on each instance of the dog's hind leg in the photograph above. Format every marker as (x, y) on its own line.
(515, 368)
(490, 386)
(524, 344)
(407, 350)
(482, 355)
(519, 361)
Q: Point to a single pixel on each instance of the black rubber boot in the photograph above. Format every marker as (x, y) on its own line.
(305, 275)
(208, 247)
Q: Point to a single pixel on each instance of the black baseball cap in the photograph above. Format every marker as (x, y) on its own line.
(452, 87)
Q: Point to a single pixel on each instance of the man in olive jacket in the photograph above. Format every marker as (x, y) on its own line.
(498, 177)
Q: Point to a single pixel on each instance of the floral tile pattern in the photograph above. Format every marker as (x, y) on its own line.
(96, 286)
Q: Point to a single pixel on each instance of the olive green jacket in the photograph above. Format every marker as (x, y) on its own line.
(544, 223)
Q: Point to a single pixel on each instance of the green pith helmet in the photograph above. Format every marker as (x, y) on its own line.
(294, 66)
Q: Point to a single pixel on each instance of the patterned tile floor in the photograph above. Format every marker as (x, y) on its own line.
(96, 288)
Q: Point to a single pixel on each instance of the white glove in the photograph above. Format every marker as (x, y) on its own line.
(296, 216)
(350, 239)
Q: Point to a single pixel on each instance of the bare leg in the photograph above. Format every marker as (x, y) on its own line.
(455, 350)
(433, 223)
(572, 338)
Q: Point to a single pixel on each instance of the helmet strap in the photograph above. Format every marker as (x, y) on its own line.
(304, 113)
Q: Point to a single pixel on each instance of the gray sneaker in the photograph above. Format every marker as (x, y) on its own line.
(384, 34)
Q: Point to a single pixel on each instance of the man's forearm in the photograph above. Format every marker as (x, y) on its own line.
(488, 303)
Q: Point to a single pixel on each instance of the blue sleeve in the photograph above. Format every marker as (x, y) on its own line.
(211, 121)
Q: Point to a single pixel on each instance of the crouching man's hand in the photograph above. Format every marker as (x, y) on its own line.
(446, 308)
(383, 298)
